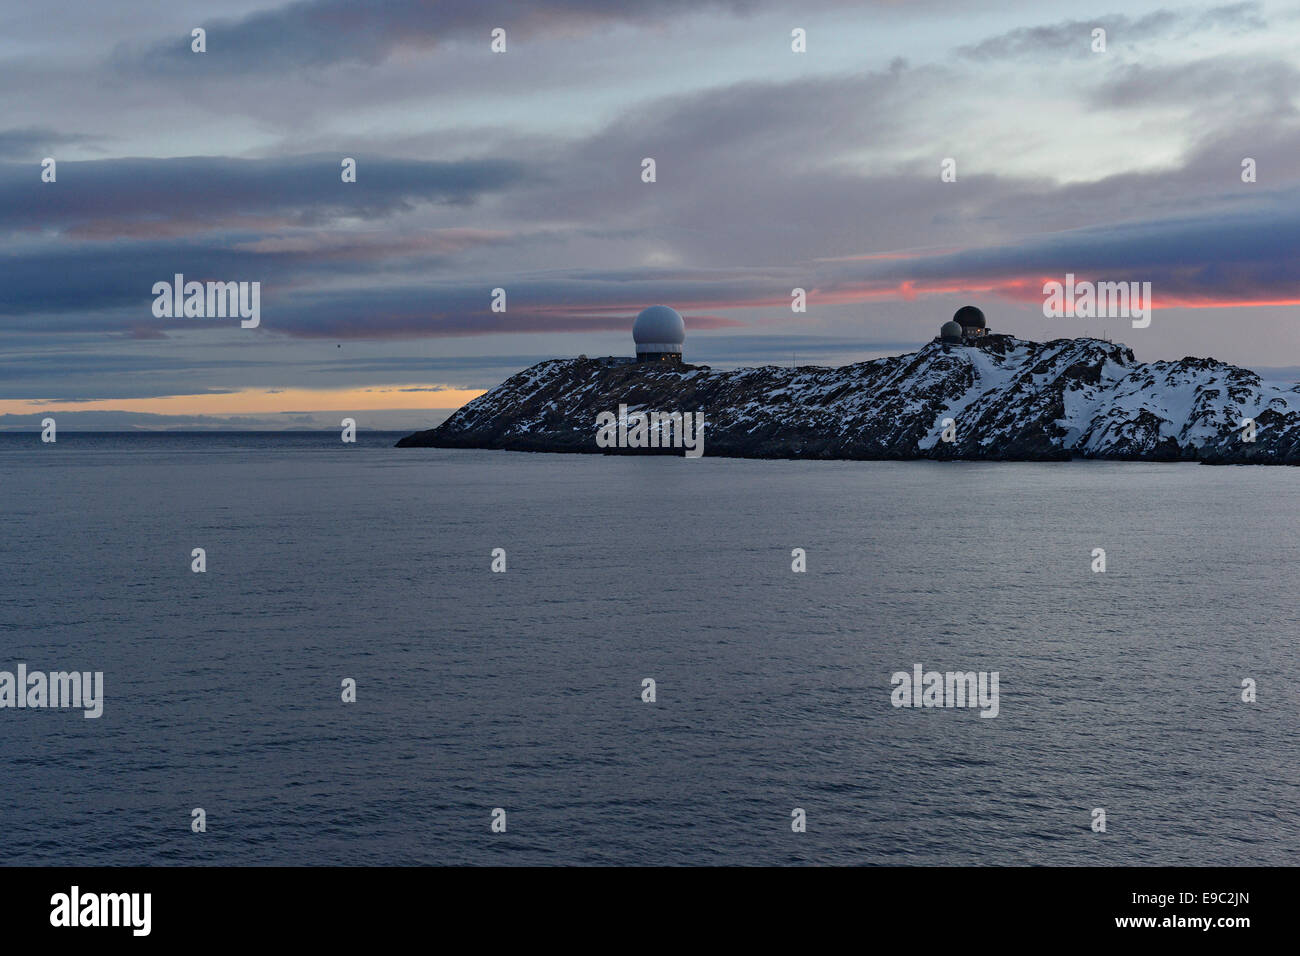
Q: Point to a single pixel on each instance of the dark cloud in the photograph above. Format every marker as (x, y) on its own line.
(162, 197)
(34, 143)
(571, 302)
(1241, 256)
(318, 33)
(107, 287)
(83, 281)
(1243, 84)
(1073, 38)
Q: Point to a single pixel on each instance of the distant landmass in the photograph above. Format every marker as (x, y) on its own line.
(997, 398)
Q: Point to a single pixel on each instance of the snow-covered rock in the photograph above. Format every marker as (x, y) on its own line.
(1008, 399)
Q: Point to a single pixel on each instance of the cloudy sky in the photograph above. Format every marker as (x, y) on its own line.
(522, 170)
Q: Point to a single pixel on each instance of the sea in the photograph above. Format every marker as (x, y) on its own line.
(504, 717)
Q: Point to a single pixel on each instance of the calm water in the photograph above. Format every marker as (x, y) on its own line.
(522, 690)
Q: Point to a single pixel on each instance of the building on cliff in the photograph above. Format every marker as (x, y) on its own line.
(659, 334)
(966, 325)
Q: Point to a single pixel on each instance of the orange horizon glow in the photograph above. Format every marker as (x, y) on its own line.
(263, 401)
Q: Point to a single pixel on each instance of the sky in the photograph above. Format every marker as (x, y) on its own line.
(522, 170)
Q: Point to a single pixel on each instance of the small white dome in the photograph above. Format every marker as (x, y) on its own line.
(659, 329)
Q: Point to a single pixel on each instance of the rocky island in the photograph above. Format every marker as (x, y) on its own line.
(992, 398)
